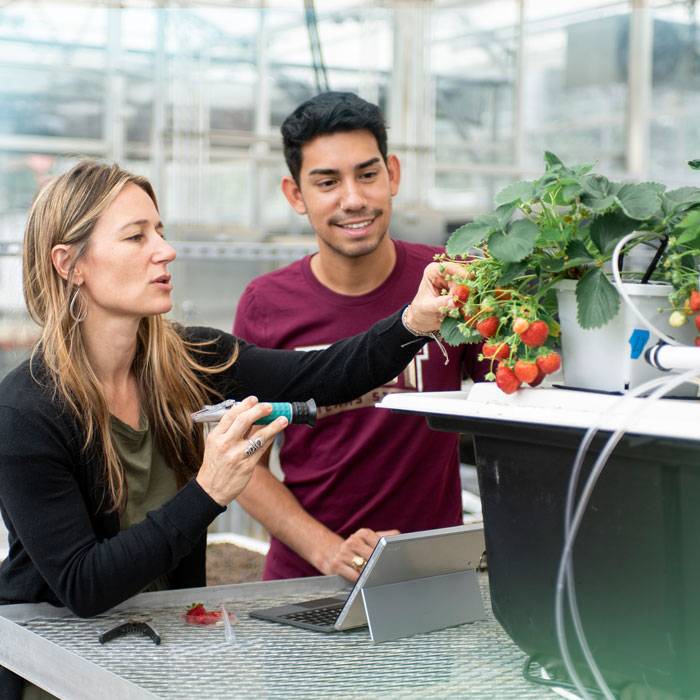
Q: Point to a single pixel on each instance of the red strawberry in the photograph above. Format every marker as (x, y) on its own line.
(506, 380)
(487, 326)
(697, 341)
(502, 294)
(694, 301)
(549, 363)
(499, 351)
(461, 294)
(197, 614)
(536, 334)
(697, 322)
(520, 325)
(196, 609)
(525, 371)
(538, 379)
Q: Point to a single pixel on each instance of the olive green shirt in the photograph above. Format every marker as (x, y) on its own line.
(150, 482)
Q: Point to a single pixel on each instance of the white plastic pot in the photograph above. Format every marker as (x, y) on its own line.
(600, 359)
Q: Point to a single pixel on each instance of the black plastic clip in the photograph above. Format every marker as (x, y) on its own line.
(134, 625)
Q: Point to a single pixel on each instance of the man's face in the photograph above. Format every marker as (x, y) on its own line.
(345, 188)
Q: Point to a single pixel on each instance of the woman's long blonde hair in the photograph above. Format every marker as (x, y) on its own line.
(171, 380)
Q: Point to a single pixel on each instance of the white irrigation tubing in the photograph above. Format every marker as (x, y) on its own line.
(565, 572)
(623, 293)
(570, 499)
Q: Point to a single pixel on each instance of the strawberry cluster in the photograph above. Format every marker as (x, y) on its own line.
(511, 372)
(509, 324)
(691, 307)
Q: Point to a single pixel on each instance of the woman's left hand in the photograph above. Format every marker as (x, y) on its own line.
(424, 312)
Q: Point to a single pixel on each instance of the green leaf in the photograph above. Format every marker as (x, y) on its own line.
(504, 212)
(580, 170)
(471, 235)
(550, 235)
(694, 164)
(552, 161)
(607, 230)
(679, 201)
(511, 271)
(521, 191)
(514, 243)
(691, 219)
(577, 255)
(690, 238)
(569, 192)
(598, 205)
(455, 332)
(640, 201)
(552, 264)
(683, 195)
(598, 186)
(597, 300)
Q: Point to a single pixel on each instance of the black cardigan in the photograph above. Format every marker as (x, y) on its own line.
(67, 549)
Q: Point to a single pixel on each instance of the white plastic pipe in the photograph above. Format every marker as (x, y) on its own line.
(673, 357)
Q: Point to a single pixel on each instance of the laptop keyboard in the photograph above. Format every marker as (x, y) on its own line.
(320, 616)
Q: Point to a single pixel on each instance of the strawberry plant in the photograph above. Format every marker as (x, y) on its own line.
(565, 225)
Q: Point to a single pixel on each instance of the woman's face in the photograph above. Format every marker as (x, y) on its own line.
(124, 271)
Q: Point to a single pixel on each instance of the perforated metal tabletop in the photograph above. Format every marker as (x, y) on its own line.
(267, 660)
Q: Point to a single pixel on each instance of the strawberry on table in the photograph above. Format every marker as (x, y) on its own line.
(197, 614)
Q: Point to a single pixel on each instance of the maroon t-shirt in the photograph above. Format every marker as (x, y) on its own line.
(360, 466)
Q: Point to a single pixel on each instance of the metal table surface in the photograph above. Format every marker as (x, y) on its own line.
(268, 660)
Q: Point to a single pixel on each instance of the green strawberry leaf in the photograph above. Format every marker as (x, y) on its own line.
(694, 164)
(577, 255)
(598, 204)
(640, 201)
(550, 236)
(690, 220)
(552, 161)
(511, 271)
(471, 235)
(521, 191)
(515, 242)
(504, 212)
(607, 230)
(684, 194)
(690, 238)
(597, 300)
(552, 264)
(455, 332)
(598, 186)
(569, 192)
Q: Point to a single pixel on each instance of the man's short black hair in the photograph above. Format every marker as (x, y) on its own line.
(329, 113)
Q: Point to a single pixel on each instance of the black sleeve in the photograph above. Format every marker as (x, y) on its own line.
(343, 371)
(42, 500)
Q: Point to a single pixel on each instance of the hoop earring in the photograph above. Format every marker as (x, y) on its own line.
(78, 318)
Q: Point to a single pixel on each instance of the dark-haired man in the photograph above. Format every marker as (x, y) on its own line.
(361, 472)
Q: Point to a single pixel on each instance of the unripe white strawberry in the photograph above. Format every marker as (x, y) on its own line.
(677, 319)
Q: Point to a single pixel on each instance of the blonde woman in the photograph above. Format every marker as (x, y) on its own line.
(106, 486)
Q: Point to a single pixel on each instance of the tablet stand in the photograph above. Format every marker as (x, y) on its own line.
(401, 609)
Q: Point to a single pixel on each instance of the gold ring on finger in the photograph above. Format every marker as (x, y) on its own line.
(358, 562)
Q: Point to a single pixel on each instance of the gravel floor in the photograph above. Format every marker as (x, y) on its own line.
(227, 563)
